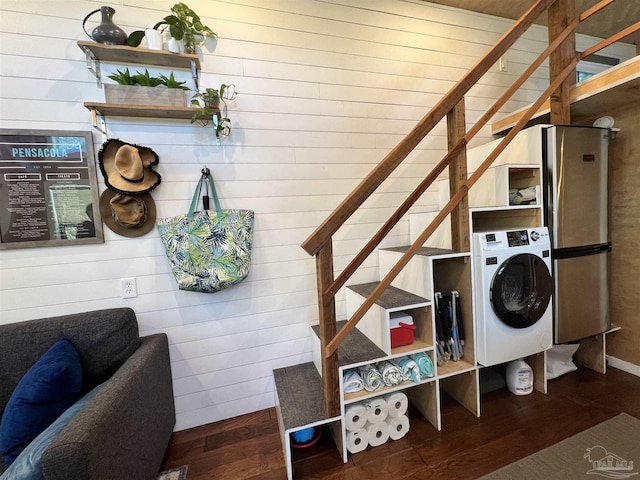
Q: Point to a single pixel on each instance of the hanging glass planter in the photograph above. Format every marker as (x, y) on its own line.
(211, 107)
(189, 42)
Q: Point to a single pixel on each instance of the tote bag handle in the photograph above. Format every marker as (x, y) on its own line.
(206, 175)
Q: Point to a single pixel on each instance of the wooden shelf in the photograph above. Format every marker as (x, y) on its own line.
(425, 251)
(504, 208)
(609, 89)
(418, 345)
(376, 323)
(119, 54)
(493, 189)
(502, 218)
(118, 110)
(137, 55)
(454, 368)
(364, 394)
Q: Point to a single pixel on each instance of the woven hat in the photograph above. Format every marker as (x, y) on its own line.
(127, 168)
(127, 215)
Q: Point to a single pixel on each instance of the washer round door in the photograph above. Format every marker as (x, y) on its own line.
(521, 290)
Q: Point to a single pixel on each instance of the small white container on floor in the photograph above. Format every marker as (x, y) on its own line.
(519, 377)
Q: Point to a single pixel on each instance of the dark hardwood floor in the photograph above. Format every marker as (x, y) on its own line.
(510, 427)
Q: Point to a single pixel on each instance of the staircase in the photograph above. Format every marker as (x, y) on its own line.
(312, 394)
(300, 387)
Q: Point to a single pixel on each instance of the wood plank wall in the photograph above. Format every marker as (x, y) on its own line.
(624, 230)
(326, 88)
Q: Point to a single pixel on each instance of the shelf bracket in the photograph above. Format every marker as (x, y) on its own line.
(99, 123)
(194, 74)
(93, 64)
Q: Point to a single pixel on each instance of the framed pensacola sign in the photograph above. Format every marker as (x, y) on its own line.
(48, 189)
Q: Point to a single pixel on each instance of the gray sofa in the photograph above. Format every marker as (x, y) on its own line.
(122, 432)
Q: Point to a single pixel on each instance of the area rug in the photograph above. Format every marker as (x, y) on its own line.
(178, 473)
(611, 449)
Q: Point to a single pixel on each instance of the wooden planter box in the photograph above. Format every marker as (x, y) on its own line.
(137, 95)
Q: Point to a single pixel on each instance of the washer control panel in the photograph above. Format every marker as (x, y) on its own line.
(518, 238)
(502, 239)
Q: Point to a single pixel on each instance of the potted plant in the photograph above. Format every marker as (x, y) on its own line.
(122, 78)
(208, 106)
(146, 80)
(171, 82)
(145, 89)
(184, 24)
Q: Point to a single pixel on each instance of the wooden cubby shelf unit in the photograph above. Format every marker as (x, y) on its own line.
(364, 394)
(454, 273)
(298, 409)
(376, 323)
(504, 218)
(438, 270)
(493, 188)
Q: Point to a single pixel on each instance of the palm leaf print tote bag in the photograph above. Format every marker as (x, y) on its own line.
(209, 250)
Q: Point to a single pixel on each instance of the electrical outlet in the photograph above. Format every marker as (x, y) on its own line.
(128, 287)
(504, 65)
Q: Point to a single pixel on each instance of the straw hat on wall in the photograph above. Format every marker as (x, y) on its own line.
(127, 167)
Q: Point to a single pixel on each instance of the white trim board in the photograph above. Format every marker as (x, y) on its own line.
(624, 366)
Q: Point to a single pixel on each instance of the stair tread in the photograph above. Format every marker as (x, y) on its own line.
(300, 395)
(425, 251)
(392, 298)
(356, 348)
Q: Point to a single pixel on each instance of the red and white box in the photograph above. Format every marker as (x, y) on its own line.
(402, 328)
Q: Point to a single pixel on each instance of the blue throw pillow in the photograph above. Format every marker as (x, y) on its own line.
(50, 386)
(28, 465)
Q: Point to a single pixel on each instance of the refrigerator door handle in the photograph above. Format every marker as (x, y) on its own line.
(572, 252)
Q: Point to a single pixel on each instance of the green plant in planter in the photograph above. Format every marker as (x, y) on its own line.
(208, 105)
(145, 89)
(171, 82)
(184, 24)
(146, 80)
(123, 78)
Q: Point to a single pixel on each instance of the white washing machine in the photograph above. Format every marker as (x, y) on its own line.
(513, 289)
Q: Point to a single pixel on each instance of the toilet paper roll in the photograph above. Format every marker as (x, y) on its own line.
(377, 410)
(355, 416)
(377, 433)
(397, 404)
(398, 427)
(357, 440)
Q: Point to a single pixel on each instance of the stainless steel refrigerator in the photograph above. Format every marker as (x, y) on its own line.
(575, 178)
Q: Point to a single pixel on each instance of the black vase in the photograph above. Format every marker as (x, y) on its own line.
(107, 32)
